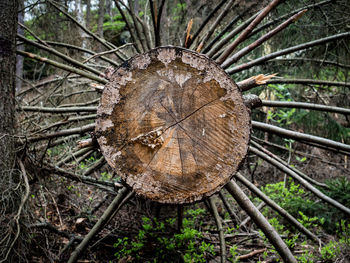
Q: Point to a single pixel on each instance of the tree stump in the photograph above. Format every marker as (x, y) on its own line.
(173, 125)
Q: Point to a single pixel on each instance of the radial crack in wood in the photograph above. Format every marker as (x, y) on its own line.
(173, 124)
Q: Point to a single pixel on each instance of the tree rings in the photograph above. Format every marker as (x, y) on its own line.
(173, 125)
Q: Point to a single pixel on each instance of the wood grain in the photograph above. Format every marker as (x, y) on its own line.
(173, 125)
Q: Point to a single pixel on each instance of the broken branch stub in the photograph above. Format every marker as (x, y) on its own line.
(173, 124)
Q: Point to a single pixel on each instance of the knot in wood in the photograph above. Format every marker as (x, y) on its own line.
(152, 139)
(173, 125)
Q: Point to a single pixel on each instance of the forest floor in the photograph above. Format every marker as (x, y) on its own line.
(144, 231)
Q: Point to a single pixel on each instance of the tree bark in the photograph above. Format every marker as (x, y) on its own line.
(20, 31)
(10, 205)
(8, 16)
(101, 12)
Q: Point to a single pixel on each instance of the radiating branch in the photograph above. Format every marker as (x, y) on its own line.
(247, 31)
(56, 110)
(210, 31)
(130, 27)
(281, 18)
(216, 48)
(77, 130)
(207, 19)
(300, 136)
(260, 221)
(108, 213)
(159, 17)
(220, 229)
(262, 39)
(319, 62)
(254, 81)
(302, 181)
(222, 33)
(286, 51)
(304, 105)
(304, 176)
(60, 55)
(309, 82)
(107, 44)
(62, 66)
(276, 207)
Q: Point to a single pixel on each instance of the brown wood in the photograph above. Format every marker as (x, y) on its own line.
(173, 125)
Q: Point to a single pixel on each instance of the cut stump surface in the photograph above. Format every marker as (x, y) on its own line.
(173, 125)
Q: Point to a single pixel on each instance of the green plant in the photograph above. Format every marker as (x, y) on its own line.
(154, 243)
(330, 251)
(233, 254)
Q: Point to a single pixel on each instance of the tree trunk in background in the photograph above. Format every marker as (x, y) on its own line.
(80, 18)
(8, 16)
(8, 200)
(101, 13)
(20, 31)
(88, 13)
(108, 6)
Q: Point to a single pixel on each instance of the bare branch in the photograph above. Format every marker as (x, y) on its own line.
(302, 181)
(247, 31)
(57, 110)
(207, 19)
(62, 66)
(109, 212)
(60, 55)
(260, 221)
(211, 53)
(286, 51)
(319, 62)
(277, 208)
(304, 105)
(261, 40)
(210, 31)
(301, 136)
(220, 229)
(78, 130)
(254, 81)
(307, 178)
(309, 82)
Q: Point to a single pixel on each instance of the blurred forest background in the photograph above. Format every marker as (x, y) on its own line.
(65, 51)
